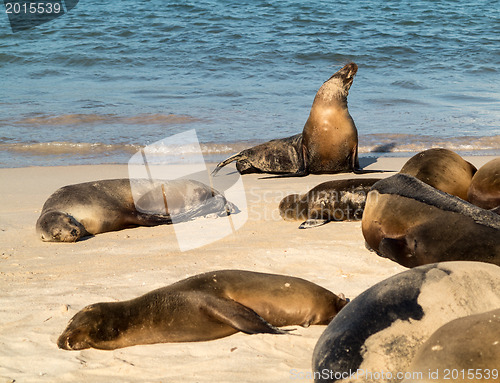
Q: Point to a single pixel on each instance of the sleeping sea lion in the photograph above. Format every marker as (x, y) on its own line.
(413, 224)
(89, 208)
(443, 169)
(203, 307)
(338, 200)
(376, 336)
(463, 350)
(484, 190)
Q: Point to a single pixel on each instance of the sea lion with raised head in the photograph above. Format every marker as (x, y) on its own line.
(442, 169)
(484, 189)
(203, 307)
(376, 336)
(327, 144)
(338, 200)
(463, 350)
(89, 208)
(413, 224)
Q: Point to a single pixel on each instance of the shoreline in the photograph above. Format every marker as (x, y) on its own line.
(99, 153)
(45, 284)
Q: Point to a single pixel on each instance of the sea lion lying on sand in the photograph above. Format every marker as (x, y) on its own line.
(203, 307)
(338, 200)
(413, 224)
(89, 208)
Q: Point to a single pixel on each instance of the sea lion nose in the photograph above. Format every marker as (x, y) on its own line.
(74, 232)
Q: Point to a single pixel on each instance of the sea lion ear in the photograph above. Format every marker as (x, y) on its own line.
(313, 223)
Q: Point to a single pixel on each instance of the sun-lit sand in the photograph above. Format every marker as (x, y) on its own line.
(44, 284)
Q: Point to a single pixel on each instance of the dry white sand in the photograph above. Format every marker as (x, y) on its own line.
(42, 285)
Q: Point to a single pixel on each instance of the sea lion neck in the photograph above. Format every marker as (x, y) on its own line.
(332, 92)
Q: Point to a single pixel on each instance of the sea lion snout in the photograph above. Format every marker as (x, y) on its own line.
(72, 341)
(346, 74)
(56, 226)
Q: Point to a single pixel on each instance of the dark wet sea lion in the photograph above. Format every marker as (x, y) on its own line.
(414, 224)
(89, 208)
(469, 344)
(204, 307)
(338, 200)
(380, 330)
(484, 190)
(328, 143)
(443, 169)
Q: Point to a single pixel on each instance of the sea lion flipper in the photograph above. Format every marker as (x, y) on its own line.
(313, 223)
(240, 317)
(146, 219)
(392, 247)
(221, 164)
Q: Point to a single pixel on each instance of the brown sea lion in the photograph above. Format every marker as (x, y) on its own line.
(339, 200)
(89, 208)
(464, 350)
(203, 307)
(376, 336)
(327, 144)
(484, 190)
(443, 169)
(414, 224)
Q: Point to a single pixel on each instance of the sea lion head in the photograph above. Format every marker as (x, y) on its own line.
(337, 87)
(56, 226)
(292, 207)
(90, 327)
(346, 75)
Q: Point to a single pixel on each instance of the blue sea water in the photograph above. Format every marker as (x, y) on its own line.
(106, 78)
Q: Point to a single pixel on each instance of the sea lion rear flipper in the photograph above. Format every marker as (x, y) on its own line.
(221, 164)
(214, 205)
(362, 171)
(313, 223)
(240, 317)
(146, 219)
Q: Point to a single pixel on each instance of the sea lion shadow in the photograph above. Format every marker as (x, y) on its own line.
(86, 238)
(364, 162)
(367, 161)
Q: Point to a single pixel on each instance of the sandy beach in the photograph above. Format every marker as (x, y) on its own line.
(44, 284)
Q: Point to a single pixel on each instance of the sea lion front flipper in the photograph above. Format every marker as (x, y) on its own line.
(240, 317)
(313, 223)
(393, 248)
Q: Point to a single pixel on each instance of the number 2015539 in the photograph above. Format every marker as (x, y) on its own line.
(471, 374)
(33, 8)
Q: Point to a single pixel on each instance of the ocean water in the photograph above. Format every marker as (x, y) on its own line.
(107, 78)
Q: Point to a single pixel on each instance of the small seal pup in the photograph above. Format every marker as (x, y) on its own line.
(327, 144)
(470, 344)
(377, 335)
(338, 200)
(203, 307)
(484, 190)
(443, 169)
(89, 208)
(413, 224)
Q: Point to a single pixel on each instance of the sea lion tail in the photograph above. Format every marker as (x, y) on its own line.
(221, 164)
